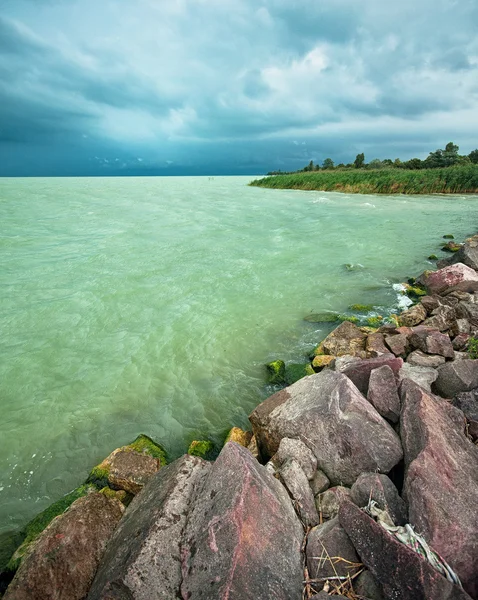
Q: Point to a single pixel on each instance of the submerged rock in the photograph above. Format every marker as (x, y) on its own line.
(276, 372)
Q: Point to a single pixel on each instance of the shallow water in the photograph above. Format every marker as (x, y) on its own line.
(149, 305)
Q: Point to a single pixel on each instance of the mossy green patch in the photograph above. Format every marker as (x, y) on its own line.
(374, 321)
(472, 348)
(349, 318)
(33, 529)
(362, 308)
(276, 372)
(145, 445)
(451, 247)
(99, 476)
(433, 257)
(202, 448)
(415, 291)
(294, 372)
(448, 236)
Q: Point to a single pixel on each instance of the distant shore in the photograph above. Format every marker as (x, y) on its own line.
(449, 180)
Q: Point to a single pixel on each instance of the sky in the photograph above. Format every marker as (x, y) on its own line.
(190, 87)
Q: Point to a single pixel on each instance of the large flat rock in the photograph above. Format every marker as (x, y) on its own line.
(329, 414)
(441, 480)
(457, 277)
(243, 539)
(143, 560)
(64, 559)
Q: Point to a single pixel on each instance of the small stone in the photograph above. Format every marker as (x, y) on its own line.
(201, 448)
(460, 341)
(420, 359)
(460, 326)
(383, 393)
(276, 372)
(468, 403)
(328, 503)
(319, 482)
(366, 586)
(375, 345)
(296, 449)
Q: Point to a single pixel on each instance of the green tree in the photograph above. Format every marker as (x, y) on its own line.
(328, 164)
(413, 163)
(376, 163)
(443, 158)
(473, 156)
(359, 161)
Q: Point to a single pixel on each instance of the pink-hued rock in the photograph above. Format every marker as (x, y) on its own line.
(442, 318)
(289, 448)
(398, 344)
(383, 393)
(328, 413)
(455, 277)
(243, 538)
(455, 377)
(296, 482)
(441, 480)
(460, 341)
(420, 359)
(375, 345)
(359, 372)
(64, 559)
(380, 488)
(432, 341)
(404, 574)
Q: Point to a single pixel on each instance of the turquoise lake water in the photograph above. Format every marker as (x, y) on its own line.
(150, 305)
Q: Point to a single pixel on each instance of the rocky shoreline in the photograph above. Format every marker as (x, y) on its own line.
(359, 480)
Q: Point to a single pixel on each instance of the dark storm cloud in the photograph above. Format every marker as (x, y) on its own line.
(215, 85)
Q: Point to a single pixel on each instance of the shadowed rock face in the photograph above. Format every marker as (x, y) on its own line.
(456, 377)
(381, 489)
(243, 539)
(63, 562)
(143, 557)
(328, 413)
(441, 480)
(403, 574)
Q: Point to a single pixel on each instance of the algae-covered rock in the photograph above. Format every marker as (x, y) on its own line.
(276, 372)
(294, 372)
(361, 308)
(349, 318)
(451, 247)
(433, 257)
(322, 361)
(414, 291)
(448, 236)
(374, 322)
(145, 445)
(239, 436)
(201, 448)
(36, 526)
(323, 317)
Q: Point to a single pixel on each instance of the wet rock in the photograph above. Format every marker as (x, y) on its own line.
(455, 277)
(456, 377)
(422, 376)
(343, 430)
(294, 479)
(276, 372)
(383, 393)
(375, 345)
(460, 341)
(431, 341)
(398, 344)
(403, 574)
(441, 480)
(63, 561)
(239, 436)
(321, 361)
(143, 558)
(413, 316)
(345, 339)
(420, 359)
(359, 372)
(240, 514)
(328, 503)
(296, 371)
(467, 254)
(326, 545)
(296, 449)
(374, 486)
(319, 482)
(468, 403)
(367, 586)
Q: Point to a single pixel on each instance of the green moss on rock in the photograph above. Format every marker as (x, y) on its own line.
(145, 445)
(349, 318)
(362, 308)
(374, 322)
(294, 372)
(433, 257)
(276, 372)
(99, 476)
(202, 448)
(448, 236)
(415, 291)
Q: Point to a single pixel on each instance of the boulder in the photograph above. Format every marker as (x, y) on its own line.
(403, 574)
(297, 484)
(143, 558)
(460, 342)
(319, 482)
(467, 254)
(468, 403)
(328, 503)
(454, 277)
(328, 413)
(398, 344)
(383, 393)
(431, 341)
(242, 536)
(359, 372)
(64, 559)
(441, 480)
(345, 339)
(327, 544)
(420, 359)
(423, 376)
(442, 318)
(455, 377)
(430, 303)
(460, 326)
(468, 311)
(374, 486)
(413, 316)
(375, 345)
(289, 448)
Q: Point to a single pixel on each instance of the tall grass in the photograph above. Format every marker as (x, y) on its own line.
(451, 180)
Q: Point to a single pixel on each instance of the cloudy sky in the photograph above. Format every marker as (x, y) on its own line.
(231, 86)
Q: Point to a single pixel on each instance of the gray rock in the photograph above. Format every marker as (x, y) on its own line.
(290, 448)
(461, 356)
(431, 341)
(374, 486)
(460, 326)
(468, 403)
(455, 377)
(367, 586)
(468, 311)
(383, 393)
(343, 362)
(344, 431)
(298, 486)
(441, 480)
(242, 536)
(326, 545)
(460, 342)
(143, 559)
(420, 359)
(319, 482)
(62, 563)
(423, 376)
(328, 503)
(467, 254)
